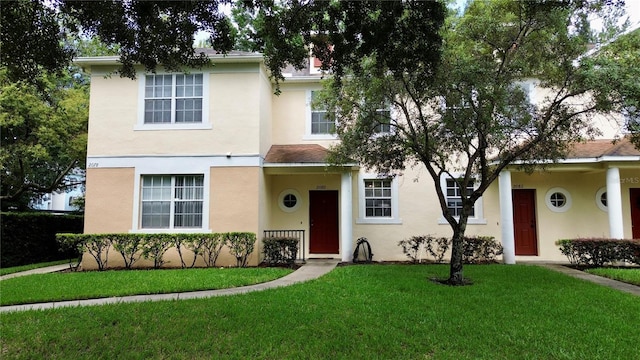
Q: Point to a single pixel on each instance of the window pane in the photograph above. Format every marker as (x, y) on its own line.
(377, 198)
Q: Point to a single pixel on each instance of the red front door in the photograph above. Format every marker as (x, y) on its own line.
(524, 222)
(634, 196)
(323, 222)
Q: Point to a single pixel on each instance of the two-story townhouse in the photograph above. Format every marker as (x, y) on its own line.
(214, 150)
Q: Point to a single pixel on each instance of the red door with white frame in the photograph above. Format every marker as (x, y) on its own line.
(524, 222)
(323, 222)
(634, 196)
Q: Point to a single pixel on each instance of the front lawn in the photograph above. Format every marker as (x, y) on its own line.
(628, 275)
(354, 312)
(97, 284)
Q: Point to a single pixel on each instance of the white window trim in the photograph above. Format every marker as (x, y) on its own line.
(307, 134)
(204, 125)
(477, 219)
(550, 206)
(362, 218)
(281, 200)
(600, 205)
(175, 166)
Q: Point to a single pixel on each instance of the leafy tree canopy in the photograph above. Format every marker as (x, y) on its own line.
(477, 116)
(43, 133)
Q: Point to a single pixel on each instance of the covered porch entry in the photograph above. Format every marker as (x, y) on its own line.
(307, 198)
(593, 193)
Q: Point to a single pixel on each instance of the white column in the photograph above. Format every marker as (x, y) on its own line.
(506, 218)
(614, 204)
(346, 217)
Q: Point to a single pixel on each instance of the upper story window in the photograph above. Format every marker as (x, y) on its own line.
(320, 122)
(632, 119)
(171, 202)
(175, 100)
(383, 116)
(453, 194)
(318, 126)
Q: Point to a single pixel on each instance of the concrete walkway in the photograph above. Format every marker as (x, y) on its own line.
(614, 284)
(311, 270)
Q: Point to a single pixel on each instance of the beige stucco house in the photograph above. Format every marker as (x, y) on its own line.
(214, 150)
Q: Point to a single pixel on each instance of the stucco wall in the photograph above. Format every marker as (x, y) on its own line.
(109, 200)
(234, 115)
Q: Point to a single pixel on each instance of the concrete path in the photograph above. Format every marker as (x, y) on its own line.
(44, 270)
(311, 270)
(614, 284)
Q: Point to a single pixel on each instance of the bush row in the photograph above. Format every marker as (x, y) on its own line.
(597, 252)
(476, 249)
(280, 250)
(28, 238)
(133, 247)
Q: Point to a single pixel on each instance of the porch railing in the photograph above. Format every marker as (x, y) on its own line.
(296, 234)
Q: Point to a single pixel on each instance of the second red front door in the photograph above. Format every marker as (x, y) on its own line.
(524, 222)
(323, 222)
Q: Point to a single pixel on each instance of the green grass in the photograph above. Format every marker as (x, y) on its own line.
(354, 312)
(628, 275)
(15, 269)
(97, 284)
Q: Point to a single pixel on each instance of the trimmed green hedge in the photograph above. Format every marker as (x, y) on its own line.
(152, 247)
(29, 238)
(600, 251)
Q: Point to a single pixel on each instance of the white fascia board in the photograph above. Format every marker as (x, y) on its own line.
(218, 58)
(176, 163)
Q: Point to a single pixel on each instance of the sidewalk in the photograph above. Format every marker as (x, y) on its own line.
(311, 270)
(614, 284)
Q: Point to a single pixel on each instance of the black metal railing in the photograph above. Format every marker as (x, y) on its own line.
(296, 234)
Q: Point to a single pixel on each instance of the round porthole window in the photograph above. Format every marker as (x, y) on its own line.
(601, 199)
(558, 200)
(289, 200)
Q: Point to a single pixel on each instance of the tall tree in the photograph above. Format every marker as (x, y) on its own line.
(474, 117)
(43, 131)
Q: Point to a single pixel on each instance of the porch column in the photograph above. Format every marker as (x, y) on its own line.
(506, 218)
(614, 203)
(346, 218)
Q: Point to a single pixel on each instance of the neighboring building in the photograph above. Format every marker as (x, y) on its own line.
(215, 150)
(62, 200)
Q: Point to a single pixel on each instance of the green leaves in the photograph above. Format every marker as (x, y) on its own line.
(43, 132)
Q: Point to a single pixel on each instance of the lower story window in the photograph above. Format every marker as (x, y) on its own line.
(172, 201)
(377, 194)
(454, 197)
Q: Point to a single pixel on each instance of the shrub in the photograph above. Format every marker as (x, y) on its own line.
(480, 249)
(437, 247)
(599, 251)
(97, 245)
(415, 245)
(27, 238)
(280, 250)
(241, 245)
(155, 246)
(129, 246)
(211, 247)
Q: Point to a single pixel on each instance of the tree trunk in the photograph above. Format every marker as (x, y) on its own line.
(455, 268)
(457, 246)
